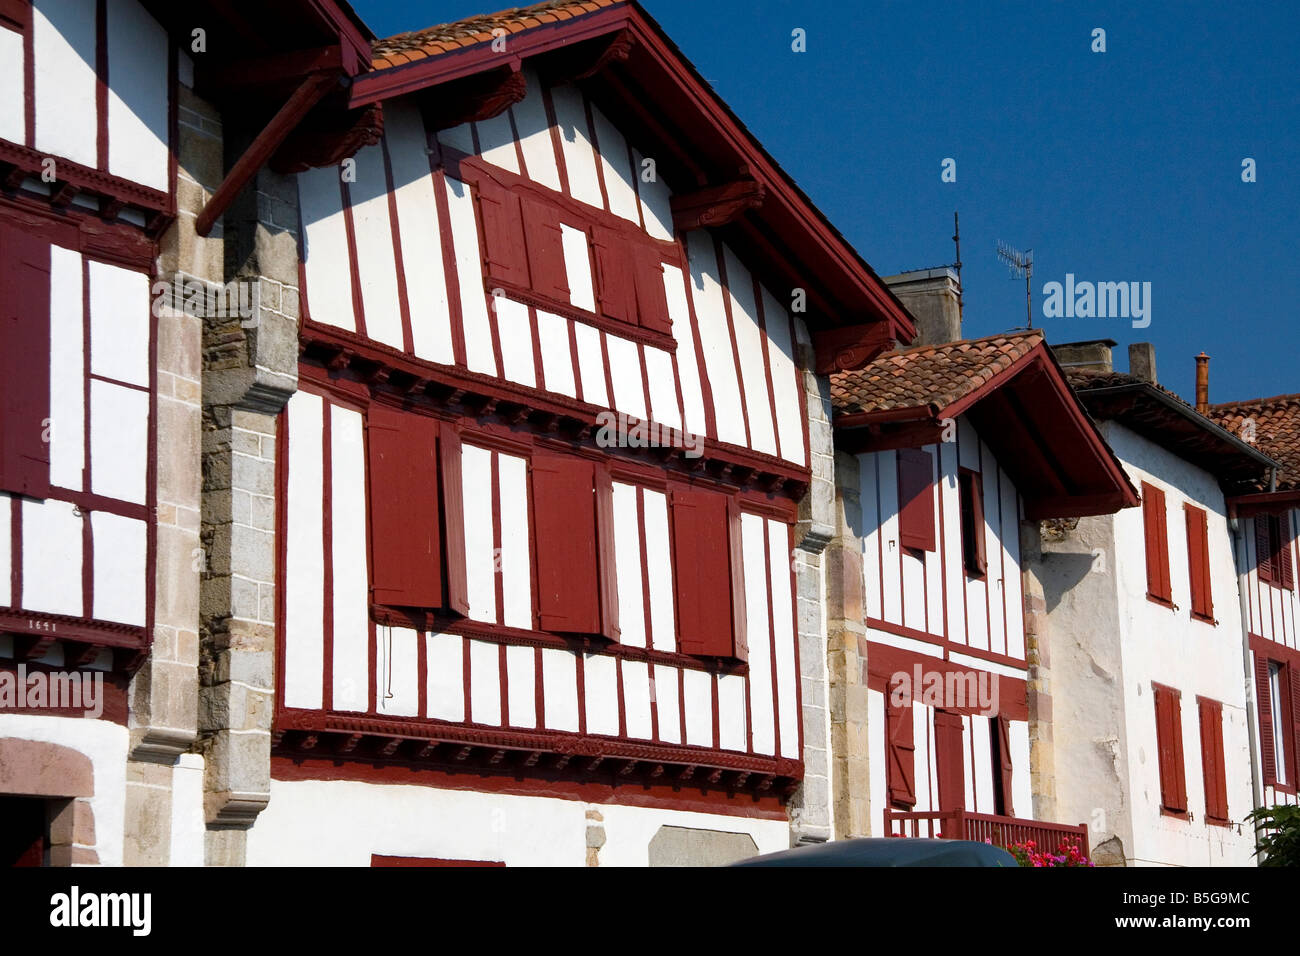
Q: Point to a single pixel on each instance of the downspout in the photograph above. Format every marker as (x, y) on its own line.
(1243, 600)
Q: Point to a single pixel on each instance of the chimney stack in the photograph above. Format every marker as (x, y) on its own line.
(1091, 356)
(1202, 383)
(933, 297)
(1142, 361)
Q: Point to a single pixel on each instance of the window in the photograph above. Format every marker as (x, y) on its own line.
(415, 518)
(1212, 767)
(900, 766)
(573, 519)
(538, 246)
(1273, 550)
(1198, 563)
(1156, 534)
(1000, 737)
(24, 362)
(1277, 688)
(950, 760)
(1169, 747)
(707, 575)
(971, 489)
(916, 499)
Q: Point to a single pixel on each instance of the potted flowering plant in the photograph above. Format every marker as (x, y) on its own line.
(1067, 854)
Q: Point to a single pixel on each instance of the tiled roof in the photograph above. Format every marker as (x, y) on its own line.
(936, 375)
(1083, 379)
(1277, 431)
(446, 37)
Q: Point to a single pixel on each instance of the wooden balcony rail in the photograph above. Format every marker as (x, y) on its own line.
(1001, 831)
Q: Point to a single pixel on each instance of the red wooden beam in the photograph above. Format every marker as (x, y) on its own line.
(260, 150)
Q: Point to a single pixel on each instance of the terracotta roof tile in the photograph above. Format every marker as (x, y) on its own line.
(935, 375)
(446, 37)
(1276, 431)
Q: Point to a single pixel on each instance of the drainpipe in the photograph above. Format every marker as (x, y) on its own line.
(1243, 600)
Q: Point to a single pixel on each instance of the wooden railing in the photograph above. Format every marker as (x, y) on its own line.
(1001, 831)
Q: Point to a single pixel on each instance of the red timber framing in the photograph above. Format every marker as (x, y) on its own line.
(1169, 746)
(1282, 707)
(722, 169)
(577, 616)
(29, 226)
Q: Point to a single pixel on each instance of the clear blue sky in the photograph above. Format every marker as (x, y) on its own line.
(1115, 166)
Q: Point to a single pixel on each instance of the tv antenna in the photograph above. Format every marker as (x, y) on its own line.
(961, 293)
(1021, 264)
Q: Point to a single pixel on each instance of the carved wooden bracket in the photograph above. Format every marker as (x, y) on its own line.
(477, 97)
(716, 205)
(326, 138)
(850, 347)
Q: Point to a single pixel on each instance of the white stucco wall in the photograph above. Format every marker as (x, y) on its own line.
(343, 822)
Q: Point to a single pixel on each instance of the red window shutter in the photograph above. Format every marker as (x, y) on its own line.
(24, 362)
(1294, 706)
(405, 532)
(605, 555)
(1169, 743)
(503, 234)
(1157, 542)
(1264, 697)
(1002, 740)
(950, 761)
(900, 765)
(568, 564)
(702, 573)
(453, 519)
(972, 521)
(1263, 548)
(1280, 533)
(651, 299)
(545, 249)
(916, 499)
(616, 288)
(1198, 562)
(1216, 784)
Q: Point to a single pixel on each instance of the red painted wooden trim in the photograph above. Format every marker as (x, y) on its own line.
(554, 126)
(25, 362)
(761, 315)
(701, 370)
(453, 520)
(916, 488)
(771, 641)
(720, 256)
(29, 83)
(266, 142)
(403, 300)
(497, 544)
(884, 660)
(595, 149)
(1169, 743)
(15, 505)
(282, 550)
(157, 205)
(945, 647)
(449, 267)
(327, 553)
(354, 262)
(101, 84)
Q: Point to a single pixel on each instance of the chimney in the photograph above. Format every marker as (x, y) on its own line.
(1142, 361)
(933, 297)
(1202, 383)
(1092, 356)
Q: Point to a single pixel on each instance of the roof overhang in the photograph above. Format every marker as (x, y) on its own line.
(1036, 427)
(1180, 429)
(701, 148)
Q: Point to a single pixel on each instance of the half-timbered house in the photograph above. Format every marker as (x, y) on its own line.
(1151, 730)
(539, 486)
(1266, 561)
(946, 451)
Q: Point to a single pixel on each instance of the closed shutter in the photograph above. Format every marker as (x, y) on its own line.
(545, 249)
(1264, 697)
(1280, 532)
(1263, 548)
(651, 298)
(568, 565)
(972, 522)
(405, 531)
(1156, 533)
(616, 287)
(503, 234)
(900, 766)
(1198, 562)
(1169, 744)
(1216, 784)
(24, 362)
(1005, 770)
(703, 563)
(453, 519)
(950, 762)
(916, 499)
